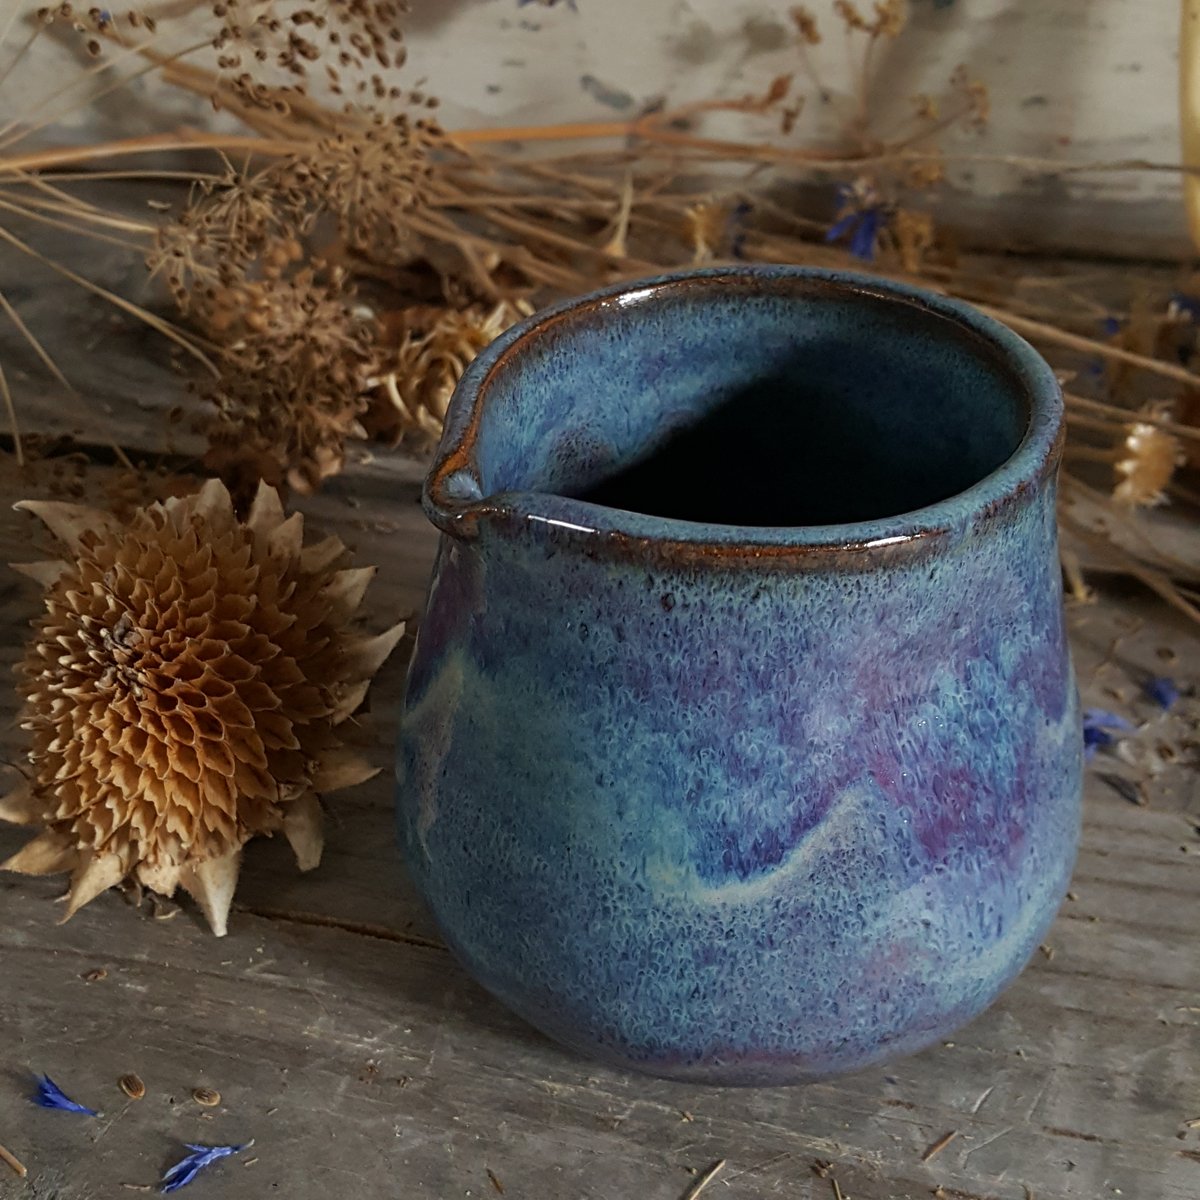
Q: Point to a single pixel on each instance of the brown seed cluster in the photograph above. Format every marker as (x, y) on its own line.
(294, 390)
(266, 52)
(182, 691)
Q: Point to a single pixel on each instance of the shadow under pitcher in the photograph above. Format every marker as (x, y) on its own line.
(741, 742)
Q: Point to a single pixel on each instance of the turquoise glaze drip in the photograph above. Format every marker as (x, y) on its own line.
(760, 797)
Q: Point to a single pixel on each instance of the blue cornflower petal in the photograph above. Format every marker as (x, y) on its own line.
(1163, 691)
(1187, 304)
(862, 241)
(50, 1095)
(1093, 739)
(1097, 723)
(1101, 718)
(842, 226)
(1112, 325)
(186, 1169)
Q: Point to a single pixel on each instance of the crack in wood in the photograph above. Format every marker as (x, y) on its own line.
(359, 928)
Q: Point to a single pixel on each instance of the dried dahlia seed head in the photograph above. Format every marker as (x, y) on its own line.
(182, 692)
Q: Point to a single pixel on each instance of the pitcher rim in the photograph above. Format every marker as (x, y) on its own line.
(454, 499)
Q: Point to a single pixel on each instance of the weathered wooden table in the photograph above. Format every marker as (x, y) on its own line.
(346, 1042)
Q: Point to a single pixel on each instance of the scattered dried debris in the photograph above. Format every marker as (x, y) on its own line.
(937, 1147)
(703, 1180)
(132, 1086)
(208, 1097)
(13, 1162)
(94, 975)
(494, 1181)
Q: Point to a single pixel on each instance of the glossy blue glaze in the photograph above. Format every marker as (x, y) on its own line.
(763, 797)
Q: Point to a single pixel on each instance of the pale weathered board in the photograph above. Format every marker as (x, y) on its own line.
(349, 1045)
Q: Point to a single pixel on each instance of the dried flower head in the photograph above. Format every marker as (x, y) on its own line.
(925, 107)
(925, 172)
(433, 347)
(806, 25)
(182, 690)
(975, 98)
(888, 19)
(370, 180)
(1152, 457)
(705, 225)
(229, 229)
(912, 234)
(850, 15)
(293, 380)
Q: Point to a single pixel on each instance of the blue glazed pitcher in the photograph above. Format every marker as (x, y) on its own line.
(741, 741)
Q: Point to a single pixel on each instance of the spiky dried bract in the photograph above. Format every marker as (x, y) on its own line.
(182, 692)
(433, 347)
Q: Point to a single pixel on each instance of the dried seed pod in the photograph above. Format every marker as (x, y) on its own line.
(208, 1097)
(183, 689)
(132, 1086)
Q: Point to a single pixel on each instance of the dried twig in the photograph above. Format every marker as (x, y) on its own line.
(933, 1150)
(703, 1180)
(13, 1162)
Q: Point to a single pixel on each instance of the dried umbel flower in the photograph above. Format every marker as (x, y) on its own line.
(1151, 458)
(436, 345)
(369, 179)
(889, 17)
(293, 382)
(183, 691)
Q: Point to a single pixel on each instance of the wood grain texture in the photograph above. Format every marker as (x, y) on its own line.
(349, 1045)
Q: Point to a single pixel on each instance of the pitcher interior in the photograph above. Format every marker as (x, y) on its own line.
(779, 403)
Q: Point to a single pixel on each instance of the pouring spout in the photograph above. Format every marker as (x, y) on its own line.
(453, 498)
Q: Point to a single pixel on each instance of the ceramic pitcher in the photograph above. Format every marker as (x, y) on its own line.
(741, 741)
